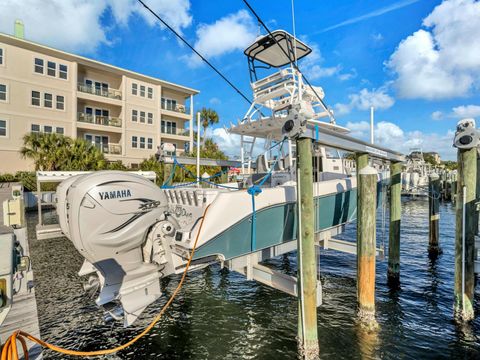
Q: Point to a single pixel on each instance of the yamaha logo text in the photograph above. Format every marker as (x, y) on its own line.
(115, 194)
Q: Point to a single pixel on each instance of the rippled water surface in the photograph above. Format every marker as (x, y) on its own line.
(220, 315)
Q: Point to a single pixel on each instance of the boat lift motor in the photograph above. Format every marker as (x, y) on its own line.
(466, 135)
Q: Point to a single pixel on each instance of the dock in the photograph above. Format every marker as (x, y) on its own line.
(23, 312)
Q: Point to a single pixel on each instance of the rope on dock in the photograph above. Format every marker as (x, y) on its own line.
(10, 350)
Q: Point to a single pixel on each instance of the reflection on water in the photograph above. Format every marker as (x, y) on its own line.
(220, 315)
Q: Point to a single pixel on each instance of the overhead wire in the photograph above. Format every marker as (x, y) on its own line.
(195, 51)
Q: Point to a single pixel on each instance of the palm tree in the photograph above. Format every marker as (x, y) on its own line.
(208, 117)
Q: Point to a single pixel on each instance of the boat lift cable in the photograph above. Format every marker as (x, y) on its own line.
(196, 52)
(259, 19)
(10, 350)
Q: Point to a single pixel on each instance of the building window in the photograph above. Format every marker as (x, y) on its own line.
(169, 127)
(142, 142)
(59, 130)
(150, 118)
(35, 128)
(134, 89)
(134, 115)
(3, 92)
(47, 129)
(3, 128)
(60, 102)
(150, 93)
(39, 65)
(51, 68)
(62, 71)
(142, 117)
(142, 91)
(1, 56)
(134, 142)
(169, 104)
(47, 100)
(35, 98)
(150, 143)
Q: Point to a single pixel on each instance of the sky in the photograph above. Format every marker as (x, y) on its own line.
(416, 61)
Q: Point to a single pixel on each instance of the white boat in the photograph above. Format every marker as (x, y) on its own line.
(132, 233)
(415, 176)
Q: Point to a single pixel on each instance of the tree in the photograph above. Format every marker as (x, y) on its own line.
(51, 152)
(208, 117)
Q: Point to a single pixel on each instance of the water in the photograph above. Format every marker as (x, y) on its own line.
(220, 315)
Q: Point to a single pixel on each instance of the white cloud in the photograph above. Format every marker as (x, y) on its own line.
(347, 76)
(466, 111)
(392, 136)
(437, 115)
(230, 33)
(215, 101)
(312, 68)
(378, 98)
(442, 60)
(76, 25)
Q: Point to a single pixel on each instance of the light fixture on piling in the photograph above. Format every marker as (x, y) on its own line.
(466, 135)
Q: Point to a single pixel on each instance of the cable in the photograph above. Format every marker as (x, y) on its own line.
(292, 63)
(10, 351)
(195, 51)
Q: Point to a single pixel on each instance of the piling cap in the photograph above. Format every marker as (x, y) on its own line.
(368, 170)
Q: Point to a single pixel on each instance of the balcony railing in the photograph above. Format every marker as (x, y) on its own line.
(99, 120)
(177, 108)
(109, 93)
(176, 131)
(112, 149)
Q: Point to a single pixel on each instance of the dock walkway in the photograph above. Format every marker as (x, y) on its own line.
(23, 313)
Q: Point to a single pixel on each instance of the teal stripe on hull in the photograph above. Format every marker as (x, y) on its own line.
(278, 224)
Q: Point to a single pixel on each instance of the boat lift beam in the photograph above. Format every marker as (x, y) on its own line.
(336, 140)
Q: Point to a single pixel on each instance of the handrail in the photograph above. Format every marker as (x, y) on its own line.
(109, 93)
(99, 119)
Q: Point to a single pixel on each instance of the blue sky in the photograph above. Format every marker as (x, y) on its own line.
(416, 61)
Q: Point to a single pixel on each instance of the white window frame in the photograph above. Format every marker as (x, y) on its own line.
(35, 66)
(142, 90)
(59, 127)
(140, 117)
(135, 116)
(54, 68)
(149, 143)
(136, 142)
(134, 89)
(150, 92)
(140, 143)
(93, 139)
(45, 100)
(6, 136)
(6, 94)
(61, 71)
(165, 107)
(150, 118)
(39, 128)
(62, 102)
(50, 126)
(39, 98)
(2, 56)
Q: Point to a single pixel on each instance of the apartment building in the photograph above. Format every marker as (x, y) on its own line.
(125, 114)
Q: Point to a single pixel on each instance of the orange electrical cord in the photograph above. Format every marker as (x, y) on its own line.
(10, 351)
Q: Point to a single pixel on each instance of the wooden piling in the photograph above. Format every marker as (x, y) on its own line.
(395, 217)
(465, 234)
(453, 190)
(434, 215)
(167, 171)
(366, 240)
(307, 263)
(477, 192)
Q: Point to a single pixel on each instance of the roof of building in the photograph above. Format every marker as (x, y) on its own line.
(30, 45)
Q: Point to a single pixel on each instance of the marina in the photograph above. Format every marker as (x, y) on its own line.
(138, 237)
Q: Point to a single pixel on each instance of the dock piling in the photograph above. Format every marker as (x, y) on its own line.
(434, 215)
(307, 264)
(393, 274)
(465, 234)
(366, 240)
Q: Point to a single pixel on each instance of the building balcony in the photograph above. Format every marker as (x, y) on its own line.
(110, 148)
(178, 108)
(99, 120)
(108, 93)
(175, 132)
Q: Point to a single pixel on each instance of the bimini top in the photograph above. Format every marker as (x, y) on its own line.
(269, 51)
